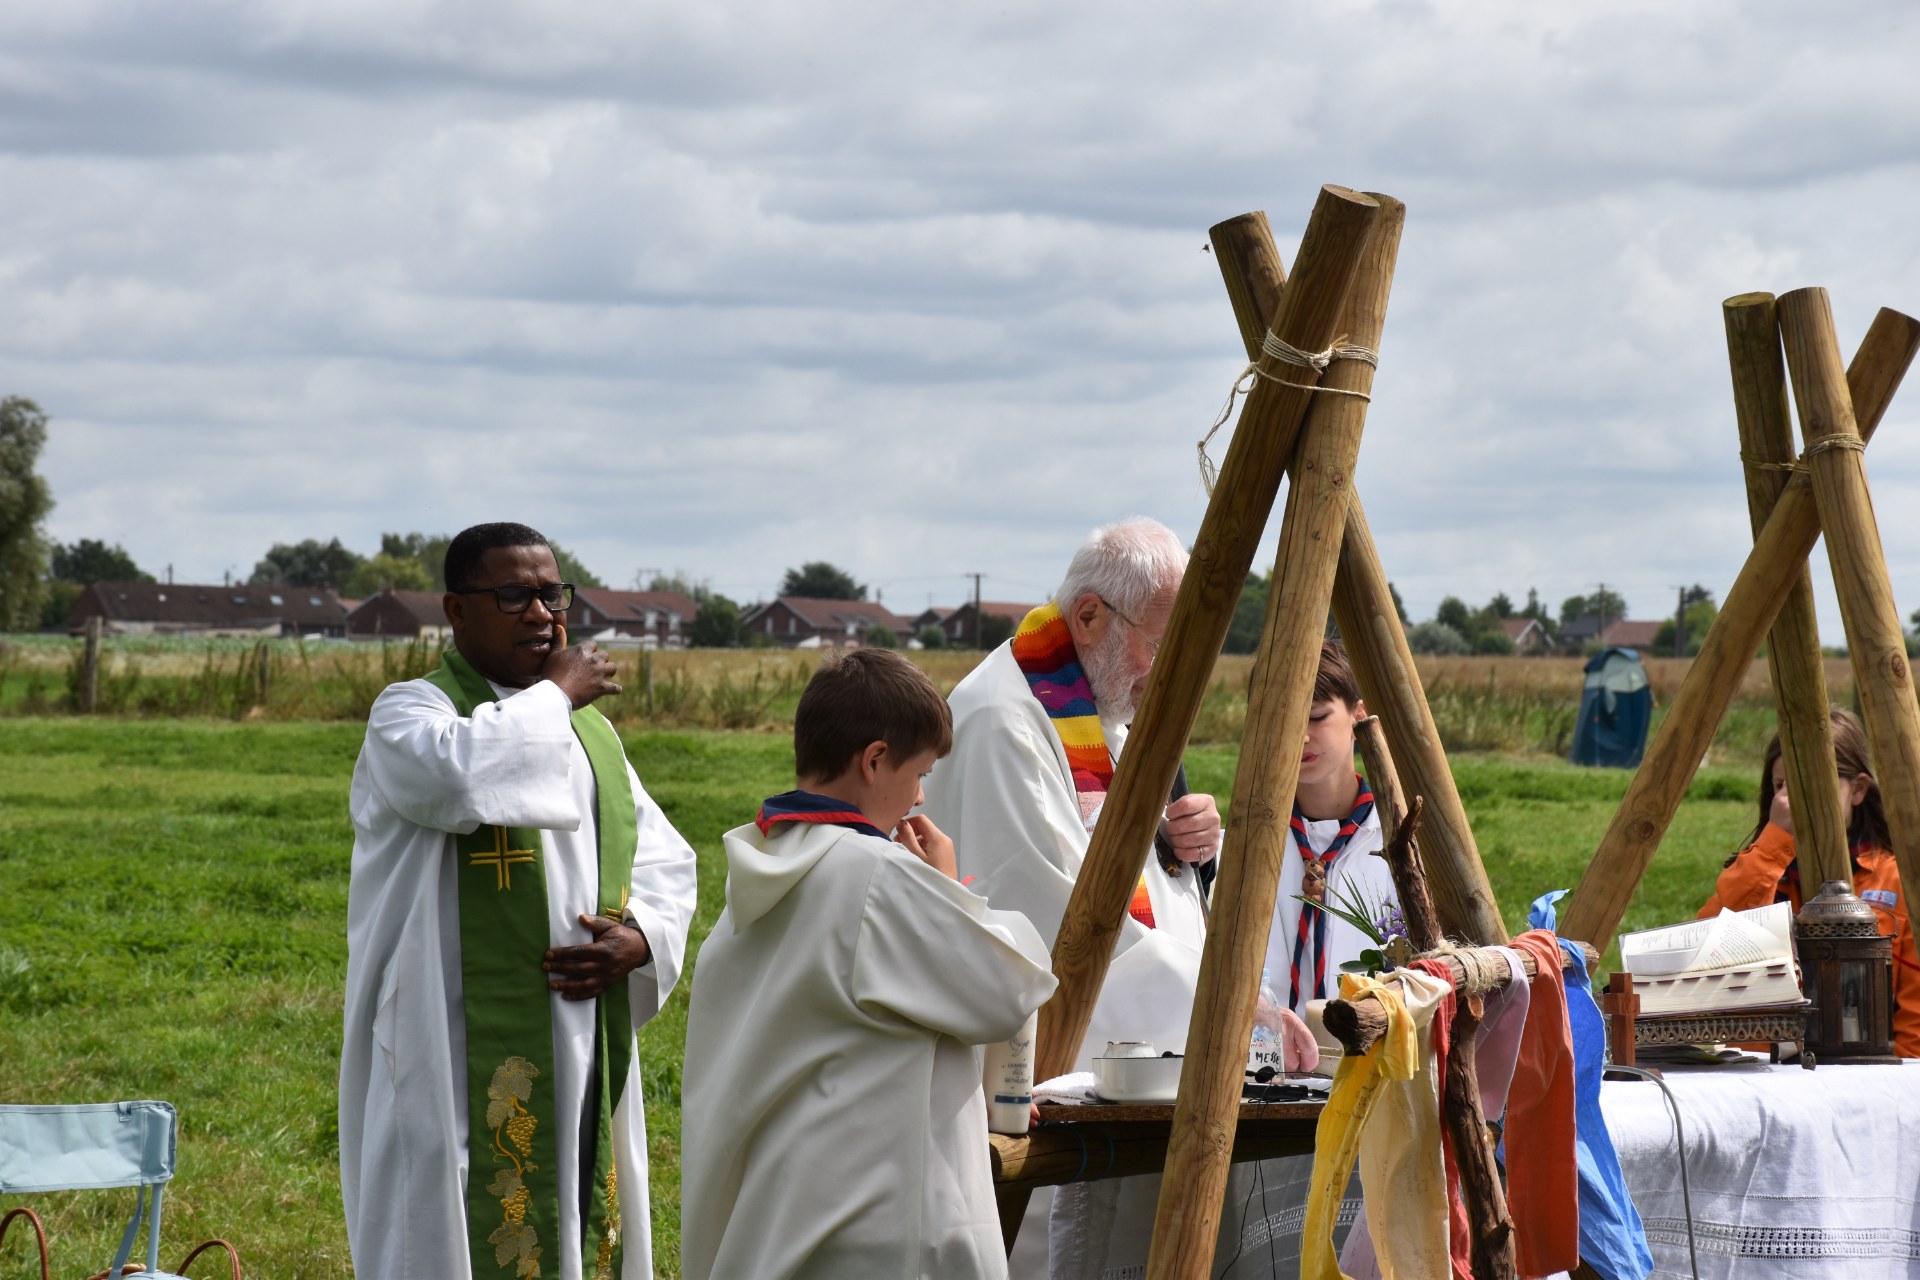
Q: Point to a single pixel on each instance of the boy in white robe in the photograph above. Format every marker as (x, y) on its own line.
(833, 1122)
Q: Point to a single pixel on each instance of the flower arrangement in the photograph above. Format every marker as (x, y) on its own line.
(1381, 922)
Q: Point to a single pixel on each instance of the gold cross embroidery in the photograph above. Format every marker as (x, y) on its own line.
(501, 859)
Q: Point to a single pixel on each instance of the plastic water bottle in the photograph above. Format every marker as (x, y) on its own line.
(1264, 1059)
(1008, 1071)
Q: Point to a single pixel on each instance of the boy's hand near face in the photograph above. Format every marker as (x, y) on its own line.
(928, 843)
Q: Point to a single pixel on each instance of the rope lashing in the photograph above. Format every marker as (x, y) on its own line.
(1838, 440)
(1281, 351)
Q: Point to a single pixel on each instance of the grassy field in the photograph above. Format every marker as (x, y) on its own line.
(174, 918)
(1519, 705)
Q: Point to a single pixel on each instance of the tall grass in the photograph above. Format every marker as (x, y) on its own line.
(1513, 705)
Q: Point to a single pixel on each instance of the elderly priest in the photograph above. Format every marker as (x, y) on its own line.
(518, 906)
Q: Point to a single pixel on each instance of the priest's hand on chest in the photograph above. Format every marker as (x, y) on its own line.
(583, 972)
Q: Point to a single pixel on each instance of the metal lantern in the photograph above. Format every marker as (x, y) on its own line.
(1846, 970)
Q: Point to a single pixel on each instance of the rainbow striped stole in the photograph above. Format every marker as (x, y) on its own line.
(1043, 650)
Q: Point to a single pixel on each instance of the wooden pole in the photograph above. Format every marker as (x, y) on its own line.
(1614, 873)
(90, 667)
(1281, 694)
(1229, 535)
(1875, 639)
(1370, 630)
(1793, 644)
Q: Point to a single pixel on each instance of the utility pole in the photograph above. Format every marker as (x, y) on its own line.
(1680, 625)
(1600, 598)
(976, 607)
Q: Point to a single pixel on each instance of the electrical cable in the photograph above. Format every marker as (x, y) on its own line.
(1680, 1143)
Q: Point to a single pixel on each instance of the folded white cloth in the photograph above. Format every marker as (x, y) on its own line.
(1074, 1087)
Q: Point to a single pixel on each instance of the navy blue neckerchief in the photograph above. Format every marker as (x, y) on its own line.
(809, 806)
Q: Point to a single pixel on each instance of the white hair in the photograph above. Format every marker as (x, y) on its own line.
(1126, 563)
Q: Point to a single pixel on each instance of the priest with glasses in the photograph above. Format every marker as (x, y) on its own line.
(518, 907)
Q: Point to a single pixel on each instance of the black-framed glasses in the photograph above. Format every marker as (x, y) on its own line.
(518, 597)
(1152, 644)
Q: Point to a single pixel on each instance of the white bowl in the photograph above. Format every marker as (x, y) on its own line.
(1137, 1080)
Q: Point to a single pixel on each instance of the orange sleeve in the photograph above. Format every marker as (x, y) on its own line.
(1753, 878)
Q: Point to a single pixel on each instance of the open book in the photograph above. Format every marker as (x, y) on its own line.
(1736, 960)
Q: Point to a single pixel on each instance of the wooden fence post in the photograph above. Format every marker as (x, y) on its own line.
(1875, 638)
(1370, 629)
(1199, 1148)
(1614, 873)
(90, 667)
(1793, 644)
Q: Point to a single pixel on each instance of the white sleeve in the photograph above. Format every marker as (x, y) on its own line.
(659, 904)
(934, 954)
(506, 765)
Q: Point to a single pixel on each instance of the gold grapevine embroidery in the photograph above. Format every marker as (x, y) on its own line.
(515, 1244)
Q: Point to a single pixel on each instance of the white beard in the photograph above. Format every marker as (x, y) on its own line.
(1109, 677)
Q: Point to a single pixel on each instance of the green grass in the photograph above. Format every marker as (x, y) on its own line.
(173, 926)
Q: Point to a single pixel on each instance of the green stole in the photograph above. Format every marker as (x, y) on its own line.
(513, 1214)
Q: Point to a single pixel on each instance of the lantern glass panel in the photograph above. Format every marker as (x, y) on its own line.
(1853, 996)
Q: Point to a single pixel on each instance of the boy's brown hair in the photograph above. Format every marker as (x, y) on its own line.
(863, 696)
(1334, 680)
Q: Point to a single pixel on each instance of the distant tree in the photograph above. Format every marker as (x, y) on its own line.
(677, 582)
(931, 636)
(1249, 617)
(25, 500)
(305, 564)
(429, 550)
(1695, 594)
(819, 580)
(1699, 615)
(375, 574)
(1436, 637)
(571, 570)
(1606, 604)
(995, 630)
(715, 625)
(1453, 613)
(91, 560)
(1399, 605)
(880, 636)
(1494, 641)
(1500, 606)
(57, 608)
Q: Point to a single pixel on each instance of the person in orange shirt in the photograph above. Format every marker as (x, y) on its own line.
(1765, 871)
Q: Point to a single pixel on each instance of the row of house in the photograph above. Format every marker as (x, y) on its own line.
(642, 619)
(627, 619)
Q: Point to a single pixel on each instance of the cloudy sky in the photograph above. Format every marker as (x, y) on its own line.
(920, 289)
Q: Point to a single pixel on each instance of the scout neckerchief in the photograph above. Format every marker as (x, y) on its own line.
(811, 806)
(513, 1199)
(1313, 888)
(1043, 650)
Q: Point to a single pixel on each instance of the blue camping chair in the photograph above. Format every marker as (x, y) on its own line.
(91, 1147)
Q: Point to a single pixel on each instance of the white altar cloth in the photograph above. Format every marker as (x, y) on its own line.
(1793, 1173)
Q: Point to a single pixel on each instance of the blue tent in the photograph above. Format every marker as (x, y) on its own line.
(1615, 709)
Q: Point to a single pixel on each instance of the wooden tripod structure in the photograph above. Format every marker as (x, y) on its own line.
(1298, 422)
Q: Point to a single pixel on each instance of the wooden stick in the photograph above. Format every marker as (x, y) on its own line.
(1614, 873)
(1281, 685)
(1793, 644)
(90, 666)
(1460, 1111)
(1229, 535)
(1370, 629)
(1356, 1024)
(1881, 674)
